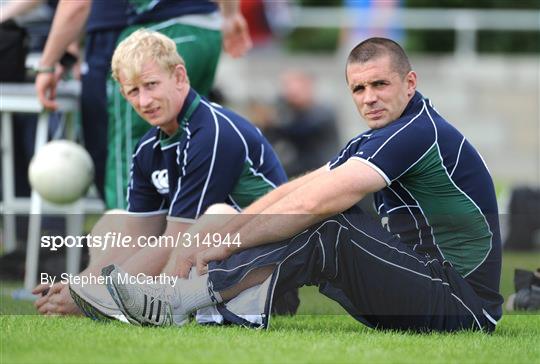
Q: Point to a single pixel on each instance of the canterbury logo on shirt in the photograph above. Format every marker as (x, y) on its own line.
(160, 179)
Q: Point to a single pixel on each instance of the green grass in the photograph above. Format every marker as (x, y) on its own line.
(328, 339)
(329, 336)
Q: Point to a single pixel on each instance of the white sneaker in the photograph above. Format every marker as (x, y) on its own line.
(144, 304)
(96, 303)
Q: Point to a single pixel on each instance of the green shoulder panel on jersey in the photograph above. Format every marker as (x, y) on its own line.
(166, 140)
(455, 219)
(249, 187)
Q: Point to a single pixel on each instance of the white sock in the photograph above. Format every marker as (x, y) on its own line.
(195, 293)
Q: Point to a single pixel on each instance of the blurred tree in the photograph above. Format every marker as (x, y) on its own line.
(319, 3)
(427, 40)
(441, 41)
(314, 40)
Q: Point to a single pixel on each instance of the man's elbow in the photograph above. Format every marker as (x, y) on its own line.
(327, 207)
(317, 206)
(309, 206)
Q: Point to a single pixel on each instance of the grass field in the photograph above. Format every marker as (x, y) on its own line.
(320, 333)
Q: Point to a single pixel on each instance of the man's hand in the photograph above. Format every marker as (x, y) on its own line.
(41, 289)
(236, 39)
(211, 254)
(46, 89)
(57, 301)
(184, 259)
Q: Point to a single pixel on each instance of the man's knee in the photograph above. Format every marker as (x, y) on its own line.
(220, 209)
(111, 221)
(216, 216)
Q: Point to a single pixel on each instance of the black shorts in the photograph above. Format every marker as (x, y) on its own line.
(378, 279)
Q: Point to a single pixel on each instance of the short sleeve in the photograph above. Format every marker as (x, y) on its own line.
(210, 165)
(142, 194)
(392, 151)
(345, 153)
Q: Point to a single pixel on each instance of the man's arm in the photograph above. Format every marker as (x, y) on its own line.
(275, 195)
(330, 193)
(271, 198)
(236, 38)
(184, 258)
(152, 258)
(69, 21)
(333, 192)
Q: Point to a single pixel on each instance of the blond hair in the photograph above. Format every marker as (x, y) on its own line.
(141, 47)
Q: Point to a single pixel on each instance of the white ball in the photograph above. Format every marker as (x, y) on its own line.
(61, 171)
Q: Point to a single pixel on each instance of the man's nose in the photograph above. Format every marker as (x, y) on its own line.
(145, 98)
(370, 96)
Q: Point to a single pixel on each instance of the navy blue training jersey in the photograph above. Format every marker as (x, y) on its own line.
(145, 11)
(439, 197)
(107, 15)
(216, 156)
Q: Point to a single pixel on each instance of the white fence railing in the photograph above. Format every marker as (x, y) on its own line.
(465, 22)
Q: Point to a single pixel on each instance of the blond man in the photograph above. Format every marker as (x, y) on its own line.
(195, 155)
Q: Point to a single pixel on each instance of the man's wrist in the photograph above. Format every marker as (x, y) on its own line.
(44, 69)
(232, 249)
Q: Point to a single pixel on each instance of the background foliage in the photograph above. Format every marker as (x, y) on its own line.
(428, 40)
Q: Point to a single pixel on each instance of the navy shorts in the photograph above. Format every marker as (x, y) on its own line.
(379, 280)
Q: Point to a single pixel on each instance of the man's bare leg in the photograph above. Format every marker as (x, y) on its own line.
(213, 219)
(133, 258)
(56, 299)
(154, 260)
(191, 294)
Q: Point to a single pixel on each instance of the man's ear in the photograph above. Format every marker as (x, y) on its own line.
(411, 83)
(180, 74)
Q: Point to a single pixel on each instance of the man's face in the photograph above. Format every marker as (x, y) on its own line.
(379, 92)
(157, 95)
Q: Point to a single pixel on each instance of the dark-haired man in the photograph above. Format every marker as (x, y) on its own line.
(436, 268)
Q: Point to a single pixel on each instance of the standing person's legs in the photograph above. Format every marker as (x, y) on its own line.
(99, 47)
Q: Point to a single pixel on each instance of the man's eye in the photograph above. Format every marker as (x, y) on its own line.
(358, 89)
(132, 92)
